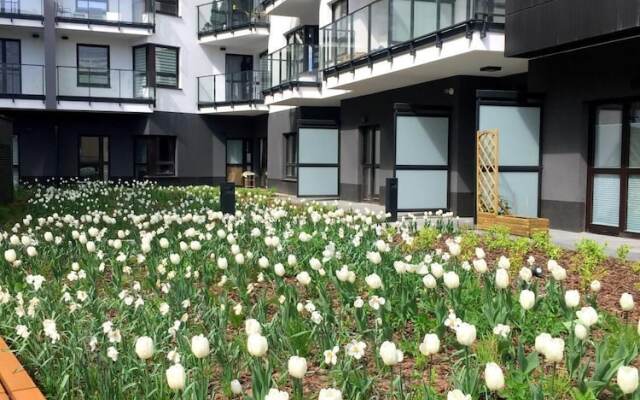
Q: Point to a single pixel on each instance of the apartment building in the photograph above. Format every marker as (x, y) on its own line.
(328, 98)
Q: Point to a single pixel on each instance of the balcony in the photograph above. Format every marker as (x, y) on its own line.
(234, 23)
(22, 86)
(98, 89)
(409, 41)
(238, 93)
(27, 13)
(306, 10)
(132, 17)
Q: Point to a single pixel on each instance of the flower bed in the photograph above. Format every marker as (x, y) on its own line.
(136, 291)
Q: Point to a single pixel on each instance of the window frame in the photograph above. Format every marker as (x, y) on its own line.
(78, 67)
(151, 71)
(152, 157)
(334, 6)
(290, 139)
(159, 11)
(155, 67)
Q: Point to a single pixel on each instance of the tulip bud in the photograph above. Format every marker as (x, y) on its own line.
(176, 377)
(626, 302)
(572, 298)
(297, 367)
(527, 299)
(493, 377)
(200, 346)
(257, 345)
(430, 344)
(390, 354)
(144, 347)
(627, 379)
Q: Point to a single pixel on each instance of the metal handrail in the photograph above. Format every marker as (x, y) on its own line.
(230, 88)
(104, 83)
(227, 17)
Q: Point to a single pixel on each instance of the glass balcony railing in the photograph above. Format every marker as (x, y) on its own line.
(385, 23)
(22, 8)
(232, 88)
(21, 80)
(117, 85)
(111, 12)
(226, 15)
(292, 64)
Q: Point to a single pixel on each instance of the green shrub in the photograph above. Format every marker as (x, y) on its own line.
(589, 261)
(623, 252)
(426, 239)
(542, 241)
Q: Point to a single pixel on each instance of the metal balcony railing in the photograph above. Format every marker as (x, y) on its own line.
(292, 64)
(107, 85)
(226, 15)
(384, 24)
(107, 12)
(232, 88)
(21, 81)
(30, 9)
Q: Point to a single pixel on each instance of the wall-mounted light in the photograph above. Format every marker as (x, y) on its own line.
(65, 37)
(491, 68)
(450, 91)
(223, 49)
(35, 35)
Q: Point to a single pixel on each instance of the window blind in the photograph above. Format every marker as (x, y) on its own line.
(166, 66)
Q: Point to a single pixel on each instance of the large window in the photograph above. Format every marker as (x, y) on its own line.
(290, 155)
(93, 65)
(614, 169)
(155, 156)
(93, 157)
(169, 7)
(161, 64)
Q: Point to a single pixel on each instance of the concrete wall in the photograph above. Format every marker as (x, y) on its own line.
(569, 81)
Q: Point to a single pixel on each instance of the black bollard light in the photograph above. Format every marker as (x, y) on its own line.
(228, 198)
(391, 198)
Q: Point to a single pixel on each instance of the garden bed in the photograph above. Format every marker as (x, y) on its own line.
(519, 226)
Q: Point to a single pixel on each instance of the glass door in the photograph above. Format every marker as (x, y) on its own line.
(10, 74)
(371, 163)
(239, 77)
(239, 159)
(93, 157)
(614, 169)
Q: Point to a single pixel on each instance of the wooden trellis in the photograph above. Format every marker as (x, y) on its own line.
(487, 180)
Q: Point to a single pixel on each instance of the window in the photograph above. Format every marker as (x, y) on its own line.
(339, 9)
(156, 65)
(93, 65)
(15, 160)
(92, 7)
(155, 156)
(290, 155)
(169, 7)
(93, 157)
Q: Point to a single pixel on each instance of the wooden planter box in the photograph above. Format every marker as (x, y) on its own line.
(15, 382)
(520, 226)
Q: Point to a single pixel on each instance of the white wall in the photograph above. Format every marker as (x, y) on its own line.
(32, 58)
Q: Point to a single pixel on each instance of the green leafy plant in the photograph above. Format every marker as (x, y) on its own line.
(622, 252)
(589, 259)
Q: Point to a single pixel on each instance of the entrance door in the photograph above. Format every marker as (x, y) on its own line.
(371, 163)
(239, 159)
(318, 162)
(10, 74)
(422, 161)
(93, 157)
(614, 169)
(238, 75)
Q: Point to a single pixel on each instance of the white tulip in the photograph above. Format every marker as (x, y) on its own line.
(493, 377)
(144, 347)
(236, 387)
(559, 273)
(343, 274)
(222, 263)
(275, 394)
(587, 316)
(466, 334)
(257, 345)
(200, 346)
(572, 298)
(330, 394)
(626, 302)
(595, 286)
(390, 354)
(437, 270)
(480, 253)
(374, 281)
(480, 265)
(580, 331)
(263, 262)
(429, 281)
(304, 278)
(252, 326)
(430, 344)
(239, 258)
(504, 262)
(174, 258)
(502, 278)
(10, 256)
(554, 350)
(176, 377)
(527, 299)
(525, 274)
(297, 367)
(542, 342)
(279, 269)
(32, 252)
(458, 395)
(451, 280)
(627, 379)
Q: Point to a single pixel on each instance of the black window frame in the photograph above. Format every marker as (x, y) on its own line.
(15, 71)
(170, 12)
(153, 161)
(290, 160)
(151, 72)
(334, 6)
(78, 67)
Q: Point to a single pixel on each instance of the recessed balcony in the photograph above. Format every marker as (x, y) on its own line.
(394, 43)
(99, 89)
(234, 23)
(131, 17)
(28, 13)
(22, 86)
(237, 93)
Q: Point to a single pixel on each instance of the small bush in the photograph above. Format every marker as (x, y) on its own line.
(623, 252)
(542, 241)
(589, 261)
(426, 238)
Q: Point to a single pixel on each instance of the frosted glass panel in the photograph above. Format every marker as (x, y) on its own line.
(634, 146)
(401, 20)
(379, 25)
(234, 151)
(318, 146)
(422, 140)
(424, 17)
(633, 205)
(520, 190)
(606, 200)
(608, 138)
(519, 130)
(317, 181)
(422, 189)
